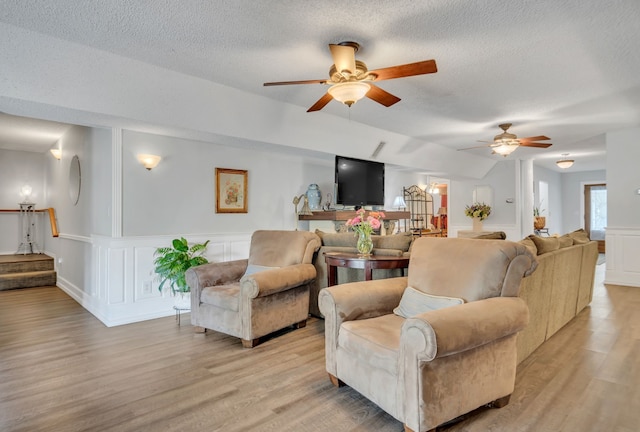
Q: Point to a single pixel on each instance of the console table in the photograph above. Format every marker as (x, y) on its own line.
(369, 263)
(339, 217)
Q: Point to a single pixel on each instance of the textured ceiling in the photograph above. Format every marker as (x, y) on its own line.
(568, 69)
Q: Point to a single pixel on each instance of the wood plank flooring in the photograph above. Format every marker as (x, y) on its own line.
(62, 370)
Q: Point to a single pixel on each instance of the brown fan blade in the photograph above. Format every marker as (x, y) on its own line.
(535, 138)
(344, 58)
(324, 81)
(321, 103)
(407, 70)
(532, 144)
(381, 96)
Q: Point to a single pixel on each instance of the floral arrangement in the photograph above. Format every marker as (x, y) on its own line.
(478, 210)
(365, 226)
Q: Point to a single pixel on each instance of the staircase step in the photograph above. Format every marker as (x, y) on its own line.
(27, 279)
(25, 263)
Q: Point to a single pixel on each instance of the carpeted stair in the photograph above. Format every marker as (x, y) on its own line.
(26, 271)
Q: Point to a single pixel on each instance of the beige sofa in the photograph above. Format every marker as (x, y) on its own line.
(559, 289)
(390, 245)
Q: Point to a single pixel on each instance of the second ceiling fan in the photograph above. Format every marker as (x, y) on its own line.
(505, 143)
(350, 80)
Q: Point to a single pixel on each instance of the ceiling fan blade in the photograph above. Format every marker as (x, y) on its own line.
(321, 103)
(344, 58)
(381, 96)
(407, 70)
(535, 138)
(475, 147)
(532, 144)
(324, 81)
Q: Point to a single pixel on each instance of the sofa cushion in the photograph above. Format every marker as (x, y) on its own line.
(545, 244)
(222, 296)
(579, 236)
(414, 302)
(337, 239)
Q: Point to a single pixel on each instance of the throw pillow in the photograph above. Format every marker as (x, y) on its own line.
(414, 302)
(254, 268)
(395, 241)
(545, 244)
(579, 236)
(565, 241)
(529, 244)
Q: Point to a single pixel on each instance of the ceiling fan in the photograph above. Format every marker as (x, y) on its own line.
(505, 143)
(350, 80)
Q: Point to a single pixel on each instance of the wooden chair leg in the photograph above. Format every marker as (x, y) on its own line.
(300, 324)
(335, 381)
(502, 402)
(199, 329)
(250, 343)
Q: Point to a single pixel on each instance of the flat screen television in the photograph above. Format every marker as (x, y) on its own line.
(359, 182)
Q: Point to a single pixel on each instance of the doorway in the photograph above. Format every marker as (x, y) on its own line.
(595, 213)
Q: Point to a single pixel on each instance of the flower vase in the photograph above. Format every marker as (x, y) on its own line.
(364, 244)
(477, 224)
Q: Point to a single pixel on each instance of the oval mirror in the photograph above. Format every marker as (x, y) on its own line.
(74, 180)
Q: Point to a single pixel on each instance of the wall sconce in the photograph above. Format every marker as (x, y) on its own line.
(399, 202)
(25, 192)
(564, 162)
(149, 161)
(57, 153)
(432, 188)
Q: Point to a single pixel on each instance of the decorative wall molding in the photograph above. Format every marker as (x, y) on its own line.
(622, 251)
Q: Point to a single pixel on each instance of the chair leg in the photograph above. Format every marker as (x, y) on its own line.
(502, 402)
(199, 329)
(300, 324)
(250, 343)
(335, 381)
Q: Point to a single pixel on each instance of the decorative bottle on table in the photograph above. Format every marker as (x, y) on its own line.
(314, 196)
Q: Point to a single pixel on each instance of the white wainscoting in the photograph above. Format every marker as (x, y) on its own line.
(622, 256)
(122, 286)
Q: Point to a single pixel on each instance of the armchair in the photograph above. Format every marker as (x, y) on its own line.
(432, 367)
(254, 297)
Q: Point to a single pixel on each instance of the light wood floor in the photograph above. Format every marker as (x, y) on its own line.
(62, 370)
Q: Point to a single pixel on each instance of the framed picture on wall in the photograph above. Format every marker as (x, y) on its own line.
(231, 191)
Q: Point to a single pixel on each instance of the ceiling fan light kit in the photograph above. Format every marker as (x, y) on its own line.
(349, 92)
(565, 163)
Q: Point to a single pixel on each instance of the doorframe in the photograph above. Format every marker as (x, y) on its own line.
(583, 206)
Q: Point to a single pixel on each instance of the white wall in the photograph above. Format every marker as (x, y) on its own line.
(623, 208)
(553, 207)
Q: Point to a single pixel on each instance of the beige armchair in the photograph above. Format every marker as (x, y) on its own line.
(434, 366)
(254, 297)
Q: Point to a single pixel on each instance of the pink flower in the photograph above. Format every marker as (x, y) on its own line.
(375, 223)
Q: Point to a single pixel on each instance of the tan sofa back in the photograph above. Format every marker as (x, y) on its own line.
(558, 290)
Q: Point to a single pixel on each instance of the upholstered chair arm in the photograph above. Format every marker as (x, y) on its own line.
(275, 280)
(352, 301)
(451, 330)
(212, 274)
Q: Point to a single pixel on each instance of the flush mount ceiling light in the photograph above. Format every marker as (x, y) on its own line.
(565, 163)
(349, 92)
(57, 153)
(149, 161)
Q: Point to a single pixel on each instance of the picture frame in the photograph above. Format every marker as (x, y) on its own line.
(231, 190)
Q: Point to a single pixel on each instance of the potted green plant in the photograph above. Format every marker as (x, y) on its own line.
(172, 262)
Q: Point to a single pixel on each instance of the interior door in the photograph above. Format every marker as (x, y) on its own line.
(595, 213)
